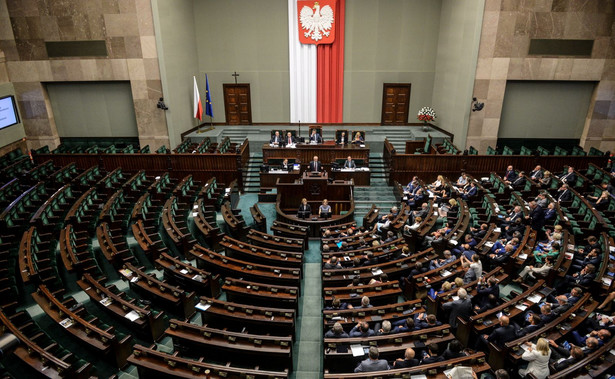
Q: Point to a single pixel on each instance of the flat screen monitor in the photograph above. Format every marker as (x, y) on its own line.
(8, 112)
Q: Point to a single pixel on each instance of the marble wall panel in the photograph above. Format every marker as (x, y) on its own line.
(508, 26)
(125, 25)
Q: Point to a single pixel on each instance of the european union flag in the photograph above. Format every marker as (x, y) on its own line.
(208, 108)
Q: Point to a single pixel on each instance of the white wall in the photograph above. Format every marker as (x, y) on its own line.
(459, 38)
(177, 55)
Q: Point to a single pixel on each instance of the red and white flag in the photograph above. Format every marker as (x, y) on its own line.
(317, 21)
(198, 107)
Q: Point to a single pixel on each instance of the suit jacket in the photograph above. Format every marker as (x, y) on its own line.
(406, 363)
(316, 137)
(537, 174)
(459, 307)
(585, 279)
(285, 140)
(550, 214)
(330, 334)
(510, 176)
(564, 195)
(350, 164)
(437, 358)
(339, 140)
(369, 365)
(305, 208)
(569, 178)
(537, 217)
(315, 166)
(527, 330)
(502, 334)
(471, 192)
(519, 182)
(277, 139)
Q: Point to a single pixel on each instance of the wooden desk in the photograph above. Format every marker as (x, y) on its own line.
(269, 179)
(313, 188)
(359, 177)
(326, 153)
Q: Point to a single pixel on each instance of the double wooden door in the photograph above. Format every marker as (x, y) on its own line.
(237, 105)
(395, 103)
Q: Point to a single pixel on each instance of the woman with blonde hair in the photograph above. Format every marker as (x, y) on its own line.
(538, 355)
(458, 282)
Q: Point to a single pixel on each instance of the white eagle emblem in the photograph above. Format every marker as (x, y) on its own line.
(316, 23)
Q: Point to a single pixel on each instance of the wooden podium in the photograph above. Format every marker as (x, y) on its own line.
(315, 188)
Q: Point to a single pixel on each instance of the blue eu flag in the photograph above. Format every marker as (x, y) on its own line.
(208, 107)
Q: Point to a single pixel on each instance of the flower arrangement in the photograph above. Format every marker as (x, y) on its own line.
(426, 114)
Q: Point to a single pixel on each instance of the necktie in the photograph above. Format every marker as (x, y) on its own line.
(289, 141)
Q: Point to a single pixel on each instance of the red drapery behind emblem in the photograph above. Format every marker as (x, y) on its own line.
(330, 73)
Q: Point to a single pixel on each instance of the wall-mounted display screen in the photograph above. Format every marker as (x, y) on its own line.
(8, 112)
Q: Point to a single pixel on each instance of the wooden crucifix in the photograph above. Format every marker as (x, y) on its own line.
(235, 75)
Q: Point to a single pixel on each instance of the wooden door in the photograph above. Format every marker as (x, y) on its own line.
(237, 104)
(395, 103)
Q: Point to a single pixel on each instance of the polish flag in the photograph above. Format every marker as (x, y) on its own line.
(198, 107)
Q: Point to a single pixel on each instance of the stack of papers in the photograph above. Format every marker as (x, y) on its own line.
(534, 298)
(202, 307)
(357, 350)
(521, 307)
(132, 315)
(106, 301)
(67, 323)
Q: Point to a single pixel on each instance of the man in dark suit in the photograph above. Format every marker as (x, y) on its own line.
(315, 137)
(536, 219)
(349, 163)
(537, 173)
(564, 193)
(569, 177)
(342, 139)
(315, 165)
(276, 140)
(461, 307)
(408, 361)
(532, 327)
(582, 278)
(286, 166)
(519, 182)
(432, 356)
(500, 335)
(470, 192)
(510, 175)
(289, 140)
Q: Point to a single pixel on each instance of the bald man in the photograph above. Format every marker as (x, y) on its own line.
(502, 334)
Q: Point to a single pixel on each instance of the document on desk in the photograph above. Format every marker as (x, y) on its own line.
(202, 307)
(357, 350)
(132, 315)
(534, 298)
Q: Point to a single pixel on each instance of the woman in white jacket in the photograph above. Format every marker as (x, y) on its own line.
(538, 355)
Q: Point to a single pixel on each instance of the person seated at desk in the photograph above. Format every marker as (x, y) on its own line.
(349, 163)
(304, 209)
(289, 140)
(315, 137)
(276, 140)
(358, 139)
(286, 166)
(342, 139)
(315, 165)
(324, 210)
